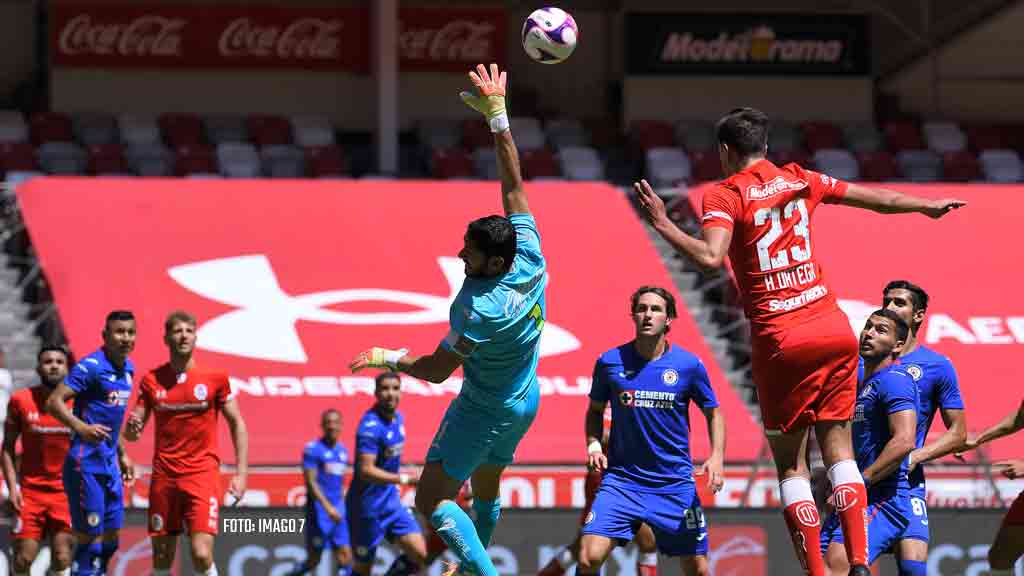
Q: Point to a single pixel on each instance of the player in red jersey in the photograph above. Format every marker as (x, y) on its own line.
(1009, 542)
(36, 487)
(804, 353)
(185, 488)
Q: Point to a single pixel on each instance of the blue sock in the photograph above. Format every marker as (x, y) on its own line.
(86, 561)
(912, 568)
(458, 532)
(107, 551)
(487, 513)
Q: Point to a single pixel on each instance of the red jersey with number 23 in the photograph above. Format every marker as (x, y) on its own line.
(769, 209)
(185, 407)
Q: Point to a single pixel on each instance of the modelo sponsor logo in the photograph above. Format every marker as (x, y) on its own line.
(302, 39)
(760, 44)
(458, 41)
(148, 35)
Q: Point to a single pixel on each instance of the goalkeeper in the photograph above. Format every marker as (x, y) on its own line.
(496, 322)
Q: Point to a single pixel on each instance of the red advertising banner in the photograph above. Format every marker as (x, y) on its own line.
(969, 266)
(123, 35)
(291, 279)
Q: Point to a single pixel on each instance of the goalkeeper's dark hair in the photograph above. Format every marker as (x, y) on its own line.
(745, 131)
(494, 236)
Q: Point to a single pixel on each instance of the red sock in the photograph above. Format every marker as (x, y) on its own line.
(647, 564)
(850, 499)
(644, 570)
(804, 524)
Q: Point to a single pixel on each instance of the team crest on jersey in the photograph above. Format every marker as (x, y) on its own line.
(590, 517)
(156, 522)
(670, 377)
(915, 371)
(200, 391)
(93, 519)
(626, 398)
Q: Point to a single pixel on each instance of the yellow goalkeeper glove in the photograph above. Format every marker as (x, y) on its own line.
(378, 358)
(489, 99)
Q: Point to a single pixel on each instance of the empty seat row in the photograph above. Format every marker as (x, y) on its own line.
(570, 163)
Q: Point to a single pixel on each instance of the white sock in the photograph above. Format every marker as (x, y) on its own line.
(648, 559)
(565, 559)
(845, 472)
(211, 571)
(795, 489)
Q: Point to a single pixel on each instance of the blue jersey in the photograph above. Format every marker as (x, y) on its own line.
(385, 440)
(496, 325)
(649, 446)
(329, 463)
(889, 391)
(101, 397)
(937, 387)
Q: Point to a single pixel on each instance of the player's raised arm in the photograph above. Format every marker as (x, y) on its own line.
(489, 100)
(892, 202)
(708, 252)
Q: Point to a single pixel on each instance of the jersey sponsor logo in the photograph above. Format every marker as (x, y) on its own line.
(670, 377)
(50, 429)
(395, 450)
(118, 397)
(647, 399)
(183, 406)
(914, 371)
(334, 468)
(250, 284)
(807, 514)
(778, 185)
(200, 391)
(844, 498)
(798, 301)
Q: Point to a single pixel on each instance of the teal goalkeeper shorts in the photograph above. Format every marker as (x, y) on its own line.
(470, 435)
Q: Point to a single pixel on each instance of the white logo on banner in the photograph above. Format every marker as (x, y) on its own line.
(263, 326)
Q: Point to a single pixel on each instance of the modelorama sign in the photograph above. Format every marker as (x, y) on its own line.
(106, 35)
(787, 44)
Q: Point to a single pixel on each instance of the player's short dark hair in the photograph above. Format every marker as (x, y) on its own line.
(53, 348)
(744, 130)
(918, 296)
(119, 316)
(328, 412)
(494, 236)
(670, 301)
(178, 316)
(902, 329)
(385, 376)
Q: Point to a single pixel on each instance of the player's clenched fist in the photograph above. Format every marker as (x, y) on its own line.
(134, 425)
(377, 358)
(597, 461)
(712, 468)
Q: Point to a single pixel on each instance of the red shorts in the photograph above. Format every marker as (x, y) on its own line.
(806, 373)
(42, 513)
(176, 501)
(590, 491)
(1015, 515)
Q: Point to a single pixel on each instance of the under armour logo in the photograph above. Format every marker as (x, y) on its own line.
(844, 498)
(263, 326)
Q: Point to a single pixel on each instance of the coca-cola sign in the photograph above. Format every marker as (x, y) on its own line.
(244, 36)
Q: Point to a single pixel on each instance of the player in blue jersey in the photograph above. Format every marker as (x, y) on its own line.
(96, 466)
(884, 431)
(323, 468)
(938, 391)
(648, 474)
(496, 322)
(375, 510)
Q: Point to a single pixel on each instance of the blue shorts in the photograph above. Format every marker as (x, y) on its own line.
(95, 501)
(470, 436)
(888, 520)
(918, 528)
(322, 532)
(369, 531)
(676, 519)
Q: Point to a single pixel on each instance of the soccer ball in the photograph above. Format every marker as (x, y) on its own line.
(549, 35)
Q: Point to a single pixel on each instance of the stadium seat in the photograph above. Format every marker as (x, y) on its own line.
(106, 159)
(138, 130)
(13, 127)
(877, 166)
(580, 163)
(238, 160)
(837, 163)
(1014, 137)
(269, 130)
(562, 132)
(283, 161)
(919, 165)
(944, 137)
(226, 130)
(666, 167)
(312, 131)
(646, 134)
(439, 133)
(50, 127)
(862, 137)
(821, 136)
(325, 161)
(960, 166)
(195, 159)
(182, 130)
(695, 135)
(1001, 166)
(475, 134)
(903, 135)
(62, 158)
(451, 163)
(985, 137)
(17, 156)
(485, 163)
(540, 164)
(93, 129)
(149, 158)
(783, 137)
(706, 166)
(529, 135)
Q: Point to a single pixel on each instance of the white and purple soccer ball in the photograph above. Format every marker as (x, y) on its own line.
(549, 35)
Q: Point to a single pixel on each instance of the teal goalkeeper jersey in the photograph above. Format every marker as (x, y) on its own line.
(496, 325)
